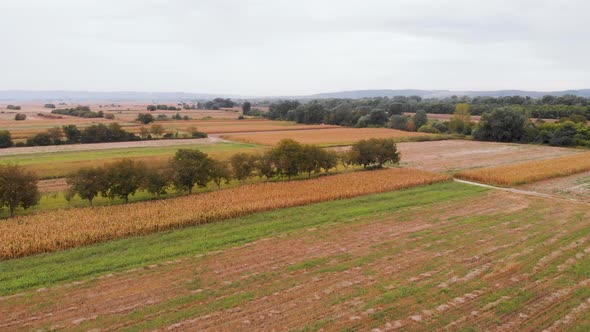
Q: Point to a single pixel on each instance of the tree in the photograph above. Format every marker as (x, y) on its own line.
(461, 119)
(143, 132)
(286, 156)
(20, 117)
(17, 188)
(124, 178)
(265, 166)
(5, 139)
(219, 171)
(399, 122)
(243, 164)
(375, 151)
(72, 134)
(49, 105)
(502, 125)
(56, 135)
(310, 159)
(420, 118)
(41, 139)
(246, 107)
(157, 130)
(87, 183)
(347, 158)
(151, 108)
(145, 118)
(327, 160)
(190, 168)
(156, 182)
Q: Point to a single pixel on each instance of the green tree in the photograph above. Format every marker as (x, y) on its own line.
(41, 139)
(124, 178)
(17, 188)
(243, 165)
(502, 125)
(375, 152)
(156, 182)
(72, 134)
(286, 156)
(219, 171)
(87, 183)
(246, 107)
(265, 166)
(399, 122)
(328, 159)
(190, 168)
(420, 118)
(310, 159)
(20, 117)
(145, 118)
(5, 139)
(461, 119)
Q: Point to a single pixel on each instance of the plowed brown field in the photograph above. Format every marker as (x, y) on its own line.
(462, 264)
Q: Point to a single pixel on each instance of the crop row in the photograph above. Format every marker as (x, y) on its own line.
(529, 171)
(63, 229)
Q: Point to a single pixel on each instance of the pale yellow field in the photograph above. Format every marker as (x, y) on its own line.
(333, 136)
(530, 171)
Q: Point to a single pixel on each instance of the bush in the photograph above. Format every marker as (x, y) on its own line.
(428, 129)
(20, 117)
(79, 111)
(199, 134)
(5, 139)
(375, 152)
(109, 116)
(145, 118)
(49, 105)
(41, 139)
(13, 107)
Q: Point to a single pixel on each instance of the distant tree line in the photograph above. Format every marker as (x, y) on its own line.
(193, 168)
(162, 107)
(79, 111)
(97, 133)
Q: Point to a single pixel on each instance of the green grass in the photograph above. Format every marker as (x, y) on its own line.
(75, 264)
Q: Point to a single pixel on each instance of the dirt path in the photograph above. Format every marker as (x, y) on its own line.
(449, 266)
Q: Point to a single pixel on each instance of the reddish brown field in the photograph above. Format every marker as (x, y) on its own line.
(450, 265)
(455, 155)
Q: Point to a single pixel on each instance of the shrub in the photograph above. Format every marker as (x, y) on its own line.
(145, 118)
(20, 117)
(5, 139)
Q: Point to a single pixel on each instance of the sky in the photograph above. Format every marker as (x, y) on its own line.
(276, 47)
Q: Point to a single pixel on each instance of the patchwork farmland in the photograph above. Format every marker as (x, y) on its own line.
(404, 248)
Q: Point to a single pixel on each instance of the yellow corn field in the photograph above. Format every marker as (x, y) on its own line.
(63, 229)
(529, 171)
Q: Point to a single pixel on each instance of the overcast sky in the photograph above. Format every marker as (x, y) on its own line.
(274, 47)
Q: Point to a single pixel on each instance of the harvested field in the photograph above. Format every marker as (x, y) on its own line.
(575, 186)
(530, 171)
(445, 258)
(51, 162)
(63, 229)
(455, 155)
(336, 136)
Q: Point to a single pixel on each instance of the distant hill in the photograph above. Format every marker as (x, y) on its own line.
(443, 93)
(25, 95)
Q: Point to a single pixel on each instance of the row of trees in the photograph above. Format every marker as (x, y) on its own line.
(190, 168)
(372, 111)
(79, 111)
